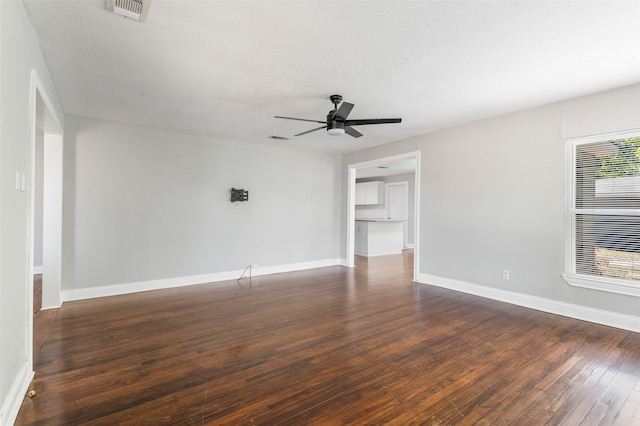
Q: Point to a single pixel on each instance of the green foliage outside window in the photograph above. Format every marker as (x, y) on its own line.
(626, 162)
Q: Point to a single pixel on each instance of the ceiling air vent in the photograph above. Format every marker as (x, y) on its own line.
(133, 9)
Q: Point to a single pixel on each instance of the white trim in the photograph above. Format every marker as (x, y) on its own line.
(363, 254)
(37, 270)
(345, 263)
(409, 246)
(598, 316)
(15, 395)
(570, 227)
(607, 212)
(36, 83)
(351, 216)
(416, 217)
(606, 284)
(604, 137)
(127, 288)
(351, 201)
(593, 282)
(35, 88)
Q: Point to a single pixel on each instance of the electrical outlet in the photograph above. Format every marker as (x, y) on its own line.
(505, 274)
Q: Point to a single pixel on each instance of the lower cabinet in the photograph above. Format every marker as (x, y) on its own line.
(375, 238)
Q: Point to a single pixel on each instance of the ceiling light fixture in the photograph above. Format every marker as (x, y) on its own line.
(336, 131)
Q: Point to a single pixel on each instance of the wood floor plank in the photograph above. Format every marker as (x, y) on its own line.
(630, 412)
(327, 346)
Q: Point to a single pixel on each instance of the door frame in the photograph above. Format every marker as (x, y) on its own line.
(51, 126)
(351, 206)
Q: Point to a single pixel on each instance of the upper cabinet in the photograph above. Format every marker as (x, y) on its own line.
(368, 193)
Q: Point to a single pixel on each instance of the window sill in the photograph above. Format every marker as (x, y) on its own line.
(609, 285)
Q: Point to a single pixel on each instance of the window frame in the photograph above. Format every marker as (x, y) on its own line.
(594, 282)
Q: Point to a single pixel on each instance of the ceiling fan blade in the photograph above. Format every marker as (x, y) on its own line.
(299, 119)
(352, 132)
(343, 112)
(372, 121)
(312, 130)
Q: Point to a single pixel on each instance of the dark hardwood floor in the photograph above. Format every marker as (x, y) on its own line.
(327, 346)
(37, 293)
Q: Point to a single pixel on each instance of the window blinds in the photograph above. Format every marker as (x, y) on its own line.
(606, 209)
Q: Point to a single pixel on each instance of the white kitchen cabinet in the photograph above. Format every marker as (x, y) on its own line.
(369, 193)
(375, 238)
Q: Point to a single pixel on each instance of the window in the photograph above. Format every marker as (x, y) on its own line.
(603, 235)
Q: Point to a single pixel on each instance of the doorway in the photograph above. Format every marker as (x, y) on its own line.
(45, 230)
(412, 225)
(397, 196)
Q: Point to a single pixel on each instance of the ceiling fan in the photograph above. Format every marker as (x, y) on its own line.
(337, 123)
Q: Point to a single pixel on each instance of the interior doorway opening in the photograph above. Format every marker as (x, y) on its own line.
(45, 230)
(391, 172)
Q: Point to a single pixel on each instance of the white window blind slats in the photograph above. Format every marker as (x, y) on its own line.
(606, 209)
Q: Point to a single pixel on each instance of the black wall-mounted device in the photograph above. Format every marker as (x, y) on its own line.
(239, 195)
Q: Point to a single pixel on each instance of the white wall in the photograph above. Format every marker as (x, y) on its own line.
(52, 221)
(19, 54)
(493, 198)
(145, 205)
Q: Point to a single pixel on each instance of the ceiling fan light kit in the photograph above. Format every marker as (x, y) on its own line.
(337, 123)
(337, 130)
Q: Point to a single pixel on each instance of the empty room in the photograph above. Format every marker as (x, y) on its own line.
(319, 212)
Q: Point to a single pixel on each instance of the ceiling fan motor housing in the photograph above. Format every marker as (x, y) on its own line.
(334, 127)
(334, 124)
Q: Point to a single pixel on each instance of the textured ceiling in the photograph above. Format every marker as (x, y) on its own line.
(226, 68)
(408, 165)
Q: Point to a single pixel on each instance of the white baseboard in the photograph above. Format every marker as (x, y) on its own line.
(267, 270)
(13, 401)
(37, 270)
(598, 316)
(127, 288)
(376, 254)
(409, 246)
